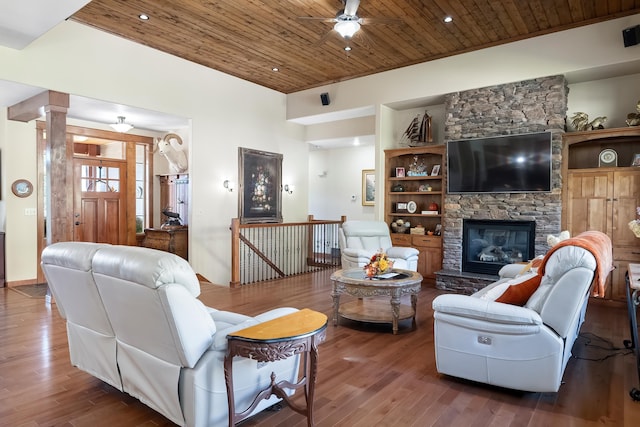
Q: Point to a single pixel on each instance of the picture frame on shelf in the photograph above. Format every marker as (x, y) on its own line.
(400, 173)
(636, 160)
(436, 170)
(401, 207)
(260, 178)
(368, 187)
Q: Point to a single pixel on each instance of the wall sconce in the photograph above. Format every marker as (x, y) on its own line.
(229, 185)
(288, 188)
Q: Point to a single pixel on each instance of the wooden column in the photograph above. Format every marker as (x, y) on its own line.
(58, 164)
(59, 177)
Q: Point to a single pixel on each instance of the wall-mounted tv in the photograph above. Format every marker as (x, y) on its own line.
(503, 164)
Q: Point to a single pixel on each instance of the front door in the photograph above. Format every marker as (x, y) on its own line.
(100, 201)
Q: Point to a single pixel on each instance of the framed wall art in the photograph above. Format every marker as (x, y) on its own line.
(260, 178)
(368, 187)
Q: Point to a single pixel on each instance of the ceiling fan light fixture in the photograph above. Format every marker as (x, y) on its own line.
(121, 126)
(347, 28)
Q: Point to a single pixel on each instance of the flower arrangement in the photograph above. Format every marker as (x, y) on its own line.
(635, 224)
(378, 264)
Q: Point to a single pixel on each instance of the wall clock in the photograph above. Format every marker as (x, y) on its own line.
(22, 188)
(608, 158)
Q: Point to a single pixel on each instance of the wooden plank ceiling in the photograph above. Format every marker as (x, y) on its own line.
(248, 38)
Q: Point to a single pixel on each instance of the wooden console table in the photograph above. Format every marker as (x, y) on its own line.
(278, 339)
(174, 240)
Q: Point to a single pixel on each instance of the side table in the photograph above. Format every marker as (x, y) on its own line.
(633, 300)
(277, 339)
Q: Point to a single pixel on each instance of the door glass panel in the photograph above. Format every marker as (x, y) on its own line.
(100, 179)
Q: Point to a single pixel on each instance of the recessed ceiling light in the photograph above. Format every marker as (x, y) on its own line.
(275, 69)
(143, 17)
(347, 48)
(448, 19)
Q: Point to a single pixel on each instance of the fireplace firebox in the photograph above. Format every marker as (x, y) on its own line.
(487, 245)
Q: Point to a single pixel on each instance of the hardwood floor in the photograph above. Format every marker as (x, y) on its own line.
(367, 376)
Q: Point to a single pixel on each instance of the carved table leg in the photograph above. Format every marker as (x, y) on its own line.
(395, 312)
(414, 305)
(336, 304)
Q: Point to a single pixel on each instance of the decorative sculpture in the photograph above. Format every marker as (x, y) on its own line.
(419, 131)
(580, 122)
(633, 119)
(176, 158)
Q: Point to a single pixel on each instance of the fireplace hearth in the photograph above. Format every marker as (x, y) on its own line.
(487, 245)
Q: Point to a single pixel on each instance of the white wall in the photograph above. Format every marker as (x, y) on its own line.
(19, 162)
(226, 113)
(335, 177)
(613, 98)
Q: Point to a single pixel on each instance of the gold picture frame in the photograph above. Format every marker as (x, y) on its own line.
(368, 187)
(260, 177)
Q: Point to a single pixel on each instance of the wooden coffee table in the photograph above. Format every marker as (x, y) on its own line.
(354, 282)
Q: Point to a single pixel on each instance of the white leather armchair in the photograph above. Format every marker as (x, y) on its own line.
(519, 347)
(359, 240)
(134, 321)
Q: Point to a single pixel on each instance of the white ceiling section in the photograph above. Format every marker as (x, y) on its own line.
(23, 21)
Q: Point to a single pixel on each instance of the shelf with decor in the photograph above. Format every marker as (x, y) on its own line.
(414, 196)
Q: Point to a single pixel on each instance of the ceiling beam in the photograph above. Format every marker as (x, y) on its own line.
(34, 107)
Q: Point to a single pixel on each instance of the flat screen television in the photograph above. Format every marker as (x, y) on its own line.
(503, 164)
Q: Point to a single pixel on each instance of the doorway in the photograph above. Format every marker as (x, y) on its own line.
(112, 185)
(100, 203)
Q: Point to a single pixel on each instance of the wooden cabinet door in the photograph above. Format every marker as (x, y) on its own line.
(589, 201)
(626, 197)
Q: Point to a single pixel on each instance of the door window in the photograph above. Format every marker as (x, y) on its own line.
(100, 179)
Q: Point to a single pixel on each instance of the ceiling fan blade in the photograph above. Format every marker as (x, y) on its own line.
(384, 21)
(312, 18)
(324, 38)
(351, 7)
(361, 38)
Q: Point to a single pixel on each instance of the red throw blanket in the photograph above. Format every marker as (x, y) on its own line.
(599, 244)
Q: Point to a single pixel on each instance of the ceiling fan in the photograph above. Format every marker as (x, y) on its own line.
(347, 23)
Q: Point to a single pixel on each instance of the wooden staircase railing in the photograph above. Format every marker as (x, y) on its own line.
(274, 250)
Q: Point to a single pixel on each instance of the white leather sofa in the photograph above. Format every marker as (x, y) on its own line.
(134, 321)
(360, 240)
(519, 347)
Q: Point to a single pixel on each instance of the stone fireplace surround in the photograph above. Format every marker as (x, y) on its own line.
(522, 107)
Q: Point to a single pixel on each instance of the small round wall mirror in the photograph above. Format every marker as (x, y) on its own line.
(22, 188)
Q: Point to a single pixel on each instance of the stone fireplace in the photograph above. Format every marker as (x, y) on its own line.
(522, 107)
(487, 245)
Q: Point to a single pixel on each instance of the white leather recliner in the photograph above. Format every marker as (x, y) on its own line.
(519, 347)
(134, 321)
(360, 240)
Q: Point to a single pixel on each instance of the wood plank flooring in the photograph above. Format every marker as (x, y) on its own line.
(367, 376)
